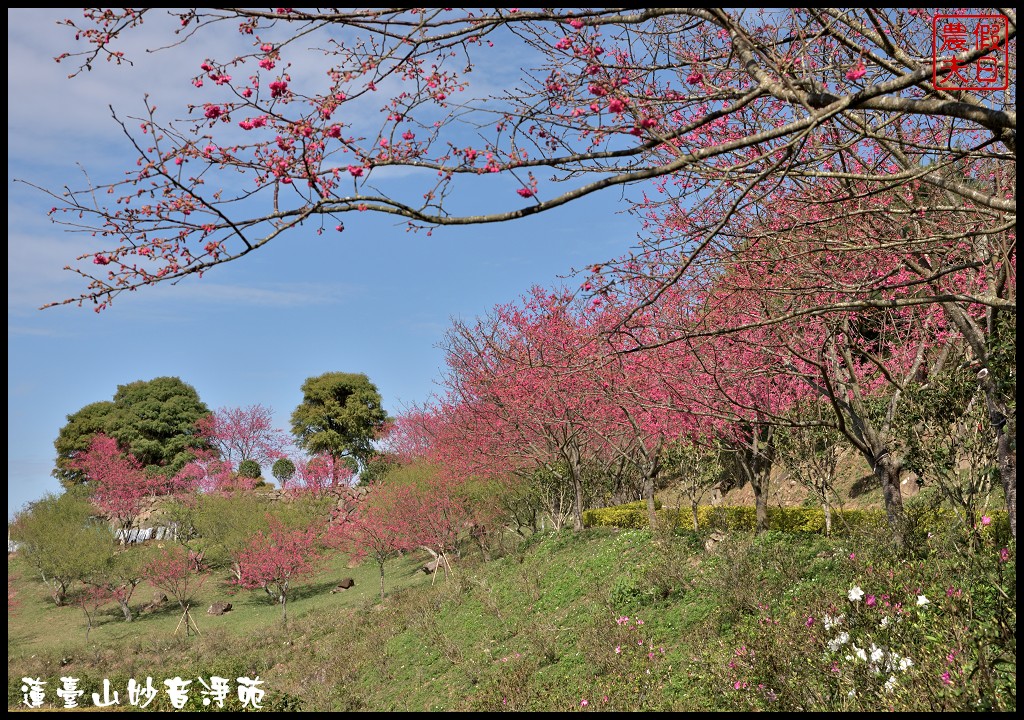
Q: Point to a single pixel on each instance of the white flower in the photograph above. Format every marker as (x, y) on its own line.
(829, 622)
(922, 601)
(856, 594)
(876, 653)
(852, 693)
(906, 663)
(838, 641)
(860, 652)
(885, 622)
(890, 684)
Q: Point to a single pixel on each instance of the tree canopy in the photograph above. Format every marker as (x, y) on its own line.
(153, 420)
(340, 415)
(62, 537)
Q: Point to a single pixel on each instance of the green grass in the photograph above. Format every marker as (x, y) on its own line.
(537, 630)
(39, 625)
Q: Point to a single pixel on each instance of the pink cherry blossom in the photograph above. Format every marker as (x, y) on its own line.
(856, 73)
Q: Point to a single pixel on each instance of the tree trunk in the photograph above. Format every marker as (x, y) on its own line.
(755, 456)
(652, 516)
(577, 497)
(1006, 456)
(478, 533)
(888, 470)
(59, 596)
(761, 507)
(126, 610)
(381, 566)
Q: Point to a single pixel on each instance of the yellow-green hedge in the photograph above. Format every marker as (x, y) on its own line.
(631, 515)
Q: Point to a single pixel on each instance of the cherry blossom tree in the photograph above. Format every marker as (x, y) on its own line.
(276, 558)
(720, 107)
(208, 473)
(120, 485)
(861, 309)
(177, 571)
(378, 527)
(244, 434)
(319, 475)
(517, 378)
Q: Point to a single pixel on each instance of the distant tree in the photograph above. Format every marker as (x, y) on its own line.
(434, 508)
(319, 474)
(810, 450)
(91, 599)
(119, 576)
(695, 468)
(340, 415)
(154, 420)
(208, 473)
(242, 434)
(283, 470)
(225, 524)
(377, 468)
(249, 469)
(274, 559)
(62, 539)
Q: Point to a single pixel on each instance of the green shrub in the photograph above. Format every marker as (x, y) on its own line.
(249, 469)
(631, 515)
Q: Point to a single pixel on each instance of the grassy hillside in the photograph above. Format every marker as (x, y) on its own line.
(600, 620)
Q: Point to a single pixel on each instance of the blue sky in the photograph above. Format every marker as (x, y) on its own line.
(374, 299)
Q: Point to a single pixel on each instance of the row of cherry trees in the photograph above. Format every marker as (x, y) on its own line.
(819, 322)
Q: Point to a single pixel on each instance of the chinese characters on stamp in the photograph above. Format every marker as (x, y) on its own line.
(954, 35)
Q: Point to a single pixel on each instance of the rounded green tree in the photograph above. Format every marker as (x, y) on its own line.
(249, 469)
(154, 420)
(340, 415)
(283, 470)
